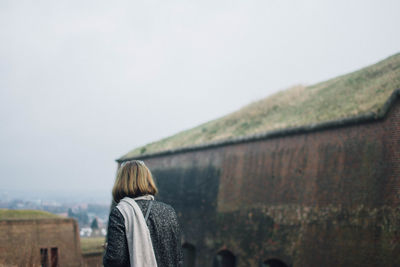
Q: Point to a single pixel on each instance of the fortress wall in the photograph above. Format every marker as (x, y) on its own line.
(189, 182)
(21, 241)
(328, 197)
(346, 166)
(392, 160)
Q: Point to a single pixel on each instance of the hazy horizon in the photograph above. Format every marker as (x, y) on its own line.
(83, 83)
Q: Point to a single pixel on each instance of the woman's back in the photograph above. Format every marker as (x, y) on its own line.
(160, 245)
(164, 232)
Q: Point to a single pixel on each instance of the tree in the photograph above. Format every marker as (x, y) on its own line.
(70, 213)
(95, 224)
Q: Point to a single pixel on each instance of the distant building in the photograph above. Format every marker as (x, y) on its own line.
(37, 238)
(86, 232)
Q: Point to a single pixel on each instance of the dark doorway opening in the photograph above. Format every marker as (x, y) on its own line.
(54, 257)
(224, 258)
(44, 258)
(273, 263)
(189, 255)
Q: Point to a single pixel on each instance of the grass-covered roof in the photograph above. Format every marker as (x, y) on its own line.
(92, 244)
(354, 94)
(6, 214)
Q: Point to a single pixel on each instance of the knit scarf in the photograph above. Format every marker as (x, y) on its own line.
(141, 252)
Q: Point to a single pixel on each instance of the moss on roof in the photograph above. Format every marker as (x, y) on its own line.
(6, 214)
(92, 244)
(354, 94)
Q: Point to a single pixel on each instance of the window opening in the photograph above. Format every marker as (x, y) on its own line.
(189, 255)
(274, 263)
(54, 257)
(44, 259)
(224, 258)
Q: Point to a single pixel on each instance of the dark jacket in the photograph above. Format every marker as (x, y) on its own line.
(165, 235)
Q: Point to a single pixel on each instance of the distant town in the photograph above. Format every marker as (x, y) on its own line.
(91, 217)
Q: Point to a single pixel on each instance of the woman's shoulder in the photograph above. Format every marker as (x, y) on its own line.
(116, 213)
(163, 207)
(158, 207)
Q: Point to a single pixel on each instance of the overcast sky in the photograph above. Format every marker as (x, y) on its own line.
(84, 82)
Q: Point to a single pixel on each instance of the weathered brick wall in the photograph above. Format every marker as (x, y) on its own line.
(189, 182)
(328, 197)
(21, 241)
(94, 259)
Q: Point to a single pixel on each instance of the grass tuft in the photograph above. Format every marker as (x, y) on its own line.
(6, 214)
(92, 244)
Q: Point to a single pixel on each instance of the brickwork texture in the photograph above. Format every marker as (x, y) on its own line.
(326, 197)
(22, 240)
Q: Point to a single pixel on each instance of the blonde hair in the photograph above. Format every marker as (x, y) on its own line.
(133, 179)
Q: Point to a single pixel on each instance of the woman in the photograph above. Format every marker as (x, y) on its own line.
(142, 232)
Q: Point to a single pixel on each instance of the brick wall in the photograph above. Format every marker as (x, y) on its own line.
(94, 259)
(21, 241)
(327, 197)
